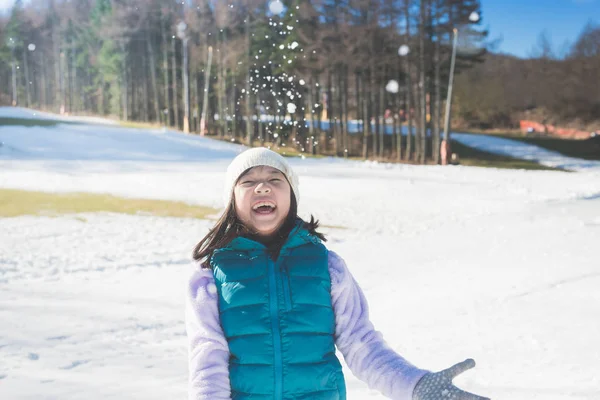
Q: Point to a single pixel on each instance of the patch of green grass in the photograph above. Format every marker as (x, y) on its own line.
(32, 122)
(477, 158)
(14, 203)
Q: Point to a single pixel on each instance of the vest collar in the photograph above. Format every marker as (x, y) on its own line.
(297, 237)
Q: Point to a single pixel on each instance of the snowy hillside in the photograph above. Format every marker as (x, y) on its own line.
(517, 149)
(456, 262)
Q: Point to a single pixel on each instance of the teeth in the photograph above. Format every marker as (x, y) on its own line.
(263, 203)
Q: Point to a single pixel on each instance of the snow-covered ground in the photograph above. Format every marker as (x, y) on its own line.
(26, 113)
(517, 149)
(456, 262)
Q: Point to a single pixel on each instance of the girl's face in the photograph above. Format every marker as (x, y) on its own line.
(262, 199)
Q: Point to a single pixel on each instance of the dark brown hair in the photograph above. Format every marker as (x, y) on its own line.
(229, 226)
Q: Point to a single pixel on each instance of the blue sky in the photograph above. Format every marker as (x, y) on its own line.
(519, 22)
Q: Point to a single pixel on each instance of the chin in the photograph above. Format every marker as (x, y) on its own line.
(267, 230)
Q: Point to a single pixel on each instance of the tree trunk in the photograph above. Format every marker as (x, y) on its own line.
(58, 72)
(144, 98)
(193, 101)
(422, 85)
(381, 113)
(64, 79)
(174, 79)
(261, 135)
(357, 98)
(132, 88)
(167, 102)
(152, 60)
(418, 125)
(249, 124)
(43, 80)
(347, 143)
(200, 100)
(186, 86)
(394, 108)
(226, 113)
(66, 67)
(340, 107)
(321, 146)
(373, 110)
(362, 105)
(27, 85)
(82, 95)
(365, 126)
(124, 89)
(234, 112)
(437, 91)
(311, 109)
(123, 95)
(206, 81)
(221, 90)
(397, 127)
(330, 116)
(409, 102)
(74, 101)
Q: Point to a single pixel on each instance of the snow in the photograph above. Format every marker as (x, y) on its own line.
(456, 262)
(276, 7)
(25, 113)
(517, 149)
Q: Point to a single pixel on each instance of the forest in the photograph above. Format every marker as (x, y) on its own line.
(350, 78)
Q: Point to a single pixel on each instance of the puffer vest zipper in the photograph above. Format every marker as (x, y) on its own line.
(278, 320)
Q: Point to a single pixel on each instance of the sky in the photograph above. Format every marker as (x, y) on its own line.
(4, 4)
(518, 23)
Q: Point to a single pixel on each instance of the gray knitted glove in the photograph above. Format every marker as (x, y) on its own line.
(438, 385)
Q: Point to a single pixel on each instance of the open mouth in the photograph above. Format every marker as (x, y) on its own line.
(264, 207)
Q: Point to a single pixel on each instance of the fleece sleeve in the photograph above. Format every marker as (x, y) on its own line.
(208, 352)
(367, 355)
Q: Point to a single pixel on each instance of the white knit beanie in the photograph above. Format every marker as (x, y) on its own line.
(253, 158)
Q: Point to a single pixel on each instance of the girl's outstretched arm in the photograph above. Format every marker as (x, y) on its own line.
(364, 350)
(208, 351)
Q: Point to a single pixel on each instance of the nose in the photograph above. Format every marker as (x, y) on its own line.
(262, 188)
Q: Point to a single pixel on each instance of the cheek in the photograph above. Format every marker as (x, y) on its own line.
(239, 200)
(284, 200)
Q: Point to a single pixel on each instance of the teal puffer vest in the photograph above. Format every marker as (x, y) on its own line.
(278, 319)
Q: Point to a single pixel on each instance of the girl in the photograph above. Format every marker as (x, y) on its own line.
(267, 304)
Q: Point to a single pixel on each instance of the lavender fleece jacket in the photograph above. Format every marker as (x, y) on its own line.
(364, 350)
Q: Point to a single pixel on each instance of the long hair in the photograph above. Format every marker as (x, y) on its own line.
(229, 226)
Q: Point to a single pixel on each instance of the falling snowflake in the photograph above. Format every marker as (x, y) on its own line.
(392, 86)
(276, 7)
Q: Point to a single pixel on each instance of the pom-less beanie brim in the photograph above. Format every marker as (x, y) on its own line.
(253, 158)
